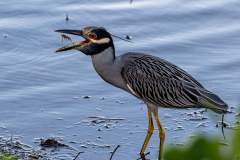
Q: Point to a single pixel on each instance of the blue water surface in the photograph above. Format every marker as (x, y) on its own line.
(41, 92)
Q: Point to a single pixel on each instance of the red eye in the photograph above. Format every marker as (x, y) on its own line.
(92, 36)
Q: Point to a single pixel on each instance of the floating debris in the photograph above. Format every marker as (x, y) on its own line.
(119, 102)
(67, 18)
(196, 116)
(35, 156)
(128, 37)
(22, 151)
(223, 143)
(86, 97)
(83, 146)
(98, 109)
(106, 119)
(179, 144)
(73, 142)
(51, 142)
(179, 128)
(202, 124)
(98, 145)
(3, 126)
(166, 115)
(107, 125)
(102, 122)
(222, 124)
(5, 35)
(232, 107)
(75, 97)
(227, 125)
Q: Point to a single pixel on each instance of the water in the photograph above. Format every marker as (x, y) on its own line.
(41, 91)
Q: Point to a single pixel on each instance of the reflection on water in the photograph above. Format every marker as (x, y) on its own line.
(41, 91)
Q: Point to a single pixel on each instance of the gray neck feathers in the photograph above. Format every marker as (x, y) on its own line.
(109, 67)
(105, 57)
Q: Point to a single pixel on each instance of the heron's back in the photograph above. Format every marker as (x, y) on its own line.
(162, 83)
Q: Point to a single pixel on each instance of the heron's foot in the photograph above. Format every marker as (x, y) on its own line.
(143, 156)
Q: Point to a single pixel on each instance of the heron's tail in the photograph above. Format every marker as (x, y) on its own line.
(212, 101)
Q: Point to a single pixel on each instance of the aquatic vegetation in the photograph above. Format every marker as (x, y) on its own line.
(207, 148)
(7, 156)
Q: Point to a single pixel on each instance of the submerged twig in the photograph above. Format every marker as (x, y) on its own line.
(114, 152)
(223, 127)
(77, 155)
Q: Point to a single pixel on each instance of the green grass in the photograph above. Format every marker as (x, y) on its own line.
(7, 156)
(207, 148)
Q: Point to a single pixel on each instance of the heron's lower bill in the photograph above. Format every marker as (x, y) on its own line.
(69, 47)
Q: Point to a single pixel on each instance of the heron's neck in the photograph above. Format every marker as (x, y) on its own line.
(108, 67)
(106, 57)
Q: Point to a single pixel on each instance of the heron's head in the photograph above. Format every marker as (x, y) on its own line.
(96, 39)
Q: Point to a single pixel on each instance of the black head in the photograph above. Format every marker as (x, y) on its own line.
(96, 39)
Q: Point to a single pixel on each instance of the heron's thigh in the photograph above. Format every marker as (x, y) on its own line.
(152, 107)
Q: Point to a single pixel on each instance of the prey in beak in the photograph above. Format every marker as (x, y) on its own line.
(73, 45)
(95, 40)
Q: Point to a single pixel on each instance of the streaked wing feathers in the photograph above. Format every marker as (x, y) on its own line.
(160, 82)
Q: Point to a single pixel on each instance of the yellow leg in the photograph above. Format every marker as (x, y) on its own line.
(149, 134)
(161, 135)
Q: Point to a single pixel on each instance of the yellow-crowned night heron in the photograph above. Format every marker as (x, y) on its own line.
(155, 81)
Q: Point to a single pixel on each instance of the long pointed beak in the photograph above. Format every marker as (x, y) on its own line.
(70, 31)
(72, 45)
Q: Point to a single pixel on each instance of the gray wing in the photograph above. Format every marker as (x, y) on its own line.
(159, 82)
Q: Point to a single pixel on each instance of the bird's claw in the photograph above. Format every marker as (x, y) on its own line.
(143, 156)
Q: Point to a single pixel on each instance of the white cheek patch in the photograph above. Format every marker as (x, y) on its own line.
(101, 41)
